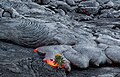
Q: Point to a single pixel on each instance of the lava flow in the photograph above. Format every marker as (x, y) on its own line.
(53, 64)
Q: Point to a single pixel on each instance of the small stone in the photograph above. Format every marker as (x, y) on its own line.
(102, 1)
(61, 12)
(89, 7)
(45, 1)
(64, 6)
(70, 2)
(109, 4)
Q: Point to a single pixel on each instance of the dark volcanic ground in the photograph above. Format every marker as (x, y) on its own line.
(17, 61)
(91, 27)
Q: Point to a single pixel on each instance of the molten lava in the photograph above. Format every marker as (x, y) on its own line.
(53, 64)
(35, 50)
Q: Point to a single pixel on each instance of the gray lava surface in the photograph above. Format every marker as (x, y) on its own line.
(90, 30)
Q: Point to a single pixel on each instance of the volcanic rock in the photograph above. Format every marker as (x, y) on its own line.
(89, 7)
(90, 27)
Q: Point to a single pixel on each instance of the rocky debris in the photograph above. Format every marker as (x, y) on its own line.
(81, 17)
(44, 2)
(111, 13)
(92, 8)
(58, 4)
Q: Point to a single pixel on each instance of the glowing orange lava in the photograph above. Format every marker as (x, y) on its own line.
(35, 50)
(53, 64)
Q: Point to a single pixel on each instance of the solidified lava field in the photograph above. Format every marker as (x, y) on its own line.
(86, 31)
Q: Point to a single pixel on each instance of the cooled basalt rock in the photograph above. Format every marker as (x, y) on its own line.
(77, 59)
(19, 32)
(20, 61)
(29, 32)
(96, 56)
(106, 39)
(88, 7)
(1, 12)
(113, 53)
(102, 2)
(63, 5)
(70, 2)
(45, 1)
(11, 12)
(110, 4)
